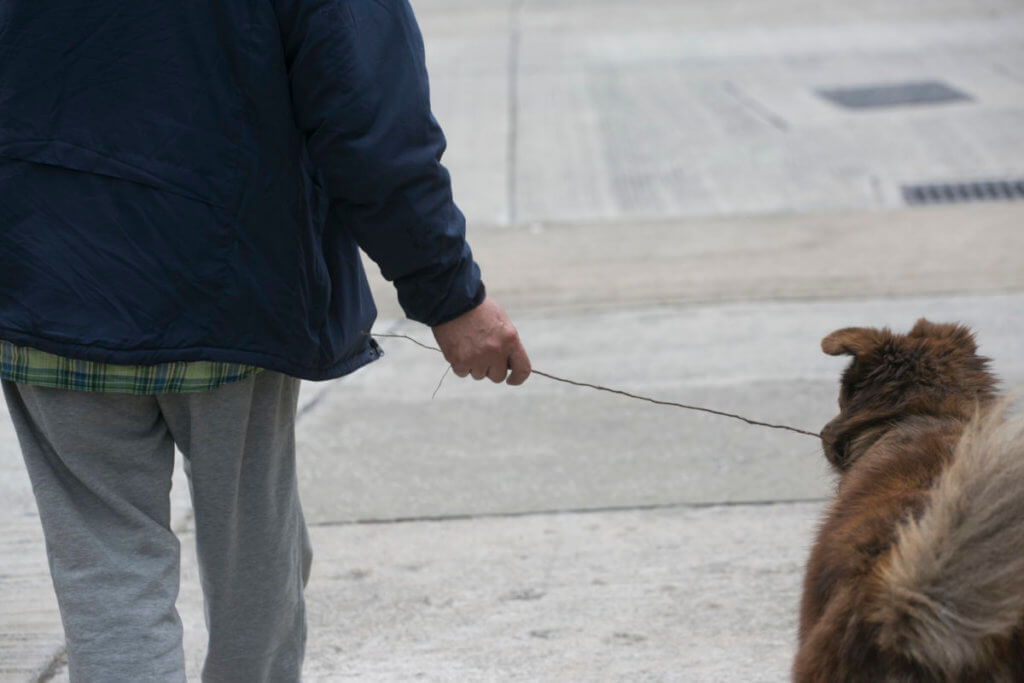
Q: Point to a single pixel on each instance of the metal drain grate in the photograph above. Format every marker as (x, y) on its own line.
(893, 95)
(950, 193)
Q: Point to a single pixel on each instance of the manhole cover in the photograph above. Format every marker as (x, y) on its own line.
(893, 95)
(949, 193)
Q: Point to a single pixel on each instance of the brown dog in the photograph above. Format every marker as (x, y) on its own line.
(917, 573)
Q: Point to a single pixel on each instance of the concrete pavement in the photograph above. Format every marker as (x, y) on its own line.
(552, 267)
(569, 110)
(665, 205)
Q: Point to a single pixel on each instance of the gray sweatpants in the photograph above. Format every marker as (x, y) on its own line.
(101, 466)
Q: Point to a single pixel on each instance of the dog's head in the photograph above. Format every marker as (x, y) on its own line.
(933, 370)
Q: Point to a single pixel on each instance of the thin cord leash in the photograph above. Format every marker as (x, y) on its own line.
(609, 390)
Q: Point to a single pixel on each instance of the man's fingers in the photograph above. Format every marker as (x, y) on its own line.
(519, 366)
(483, 342)
(496, 373)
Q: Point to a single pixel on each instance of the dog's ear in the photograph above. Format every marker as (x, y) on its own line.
(958, 334)
(852, 341)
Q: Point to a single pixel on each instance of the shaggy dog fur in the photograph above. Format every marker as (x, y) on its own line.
(917, 573)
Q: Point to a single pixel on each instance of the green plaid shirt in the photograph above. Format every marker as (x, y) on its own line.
(31, 366)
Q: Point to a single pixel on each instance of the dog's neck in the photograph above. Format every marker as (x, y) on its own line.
(916, 423)
(860, 444)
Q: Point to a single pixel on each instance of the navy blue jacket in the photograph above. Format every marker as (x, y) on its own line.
(190, 180)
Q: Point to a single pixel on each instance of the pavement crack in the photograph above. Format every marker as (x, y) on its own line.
(313, 403)
(512, 139)
(461, 517)
(756, 107)
(56, 664)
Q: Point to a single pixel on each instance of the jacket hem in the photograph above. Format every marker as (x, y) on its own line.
(365, 353)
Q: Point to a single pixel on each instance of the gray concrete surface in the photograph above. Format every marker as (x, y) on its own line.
(551, 267)
(666, 595)
(603, 110)
(664, 203)
(633, 596)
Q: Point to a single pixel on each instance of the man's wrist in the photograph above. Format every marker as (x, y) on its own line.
(478, 298)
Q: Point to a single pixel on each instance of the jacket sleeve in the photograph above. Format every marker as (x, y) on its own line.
(360, 96)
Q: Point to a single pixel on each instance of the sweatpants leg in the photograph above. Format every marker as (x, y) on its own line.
(251, 540)
(100, 466)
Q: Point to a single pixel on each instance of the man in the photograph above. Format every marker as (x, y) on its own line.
(183, 188)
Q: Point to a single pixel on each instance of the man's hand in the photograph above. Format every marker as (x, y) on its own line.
(484, 343)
